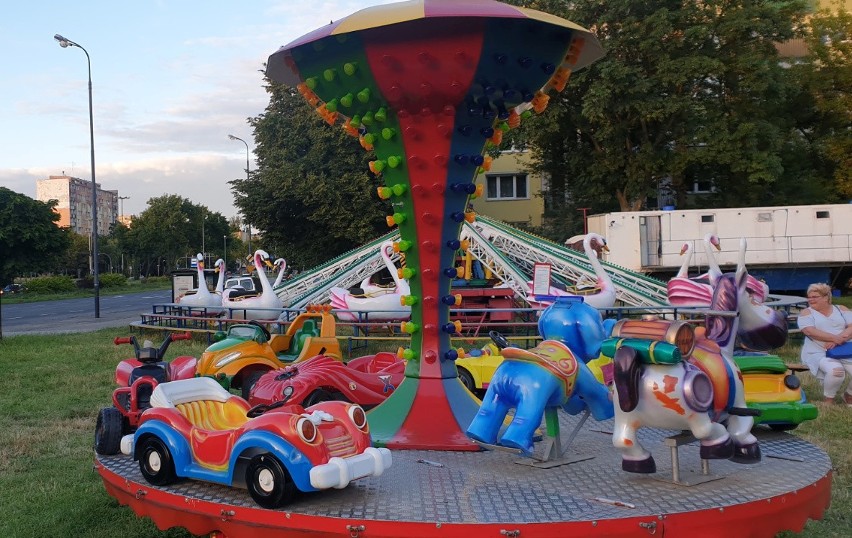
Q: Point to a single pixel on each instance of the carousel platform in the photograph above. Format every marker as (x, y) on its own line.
(481, 494)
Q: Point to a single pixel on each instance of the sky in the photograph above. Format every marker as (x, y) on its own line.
(170, 81)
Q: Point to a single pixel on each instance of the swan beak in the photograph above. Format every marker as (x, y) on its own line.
(605, 248)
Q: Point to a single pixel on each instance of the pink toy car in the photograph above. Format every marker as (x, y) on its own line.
(367, 381)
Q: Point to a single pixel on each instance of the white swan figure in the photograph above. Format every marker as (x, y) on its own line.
(605, 296)
(380, 304)
(202, 298)
(281, 263)
(755, 287)
(713, 273)
(220, 284)
(258, 306)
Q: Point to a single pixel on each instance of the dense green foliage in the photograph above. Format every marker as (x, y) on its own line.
(312, 193)
(694, 92)
(171, 228)
(29, 237)
(50, 284)
(112, 280)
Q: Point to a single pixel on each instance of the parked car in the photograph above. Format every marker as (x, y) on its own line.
(241, 356)
(366, 381)
(196, 429)
(12, 289)
(136, 379)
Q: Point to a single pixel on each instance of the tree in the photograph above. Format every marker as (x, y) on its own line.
(171, 228)
(684, 90)
(312, 194)
(29, 236)
(825, 125)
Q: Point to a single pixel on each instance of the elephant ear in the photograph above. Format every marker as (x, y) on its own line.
(520, 354)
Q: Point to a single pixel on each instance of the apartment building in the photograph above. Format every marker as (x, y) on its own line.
(75, 203)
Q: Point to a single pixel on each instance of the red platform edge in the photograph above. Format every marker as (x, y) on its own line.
(757, 519)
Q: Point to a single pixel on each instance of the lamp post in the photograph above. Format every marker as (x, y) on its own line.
(65, 43)
(232, 137)
(121, 200)
(225, 253)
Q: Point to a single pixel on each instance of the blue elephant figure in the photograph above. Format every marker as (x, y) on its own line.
(548, 375)
(528, 381)
(580, 326)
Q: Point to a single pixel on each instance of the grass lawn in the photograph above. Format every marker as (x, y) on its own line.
(55, 386)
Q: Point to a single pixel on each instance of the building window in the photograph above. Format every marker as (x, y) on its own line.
(507, 187)
(702, 186)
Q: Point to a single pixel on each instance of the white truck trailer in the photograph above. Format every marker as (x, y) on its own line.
(789, 247)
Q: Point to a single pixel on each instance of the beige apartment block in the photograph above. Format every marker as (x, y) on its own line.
(74, 196)
(511, 194)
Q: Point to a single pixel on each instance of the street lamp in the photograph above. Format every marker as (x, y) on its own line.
(121, 200)
(232, 137)
(225, 254)
(65, 43)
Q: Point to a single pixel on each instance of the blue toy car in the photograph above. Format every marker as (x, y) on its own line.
(196, 429)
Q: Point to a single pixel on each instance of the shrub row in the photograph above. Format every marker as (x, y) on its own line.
(51, 284)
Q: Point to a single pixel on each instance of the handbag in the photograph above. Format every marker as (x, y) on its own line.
(843, 351)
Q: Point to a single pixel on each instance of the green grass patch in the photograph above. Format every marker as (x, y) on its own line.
(55, 385)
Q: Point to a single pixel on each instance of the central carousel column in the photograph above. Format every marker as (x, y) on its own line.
(426, 93)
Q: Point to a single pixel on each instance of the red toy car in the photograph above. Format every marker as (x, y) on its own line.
(136, 379)
(367, 381)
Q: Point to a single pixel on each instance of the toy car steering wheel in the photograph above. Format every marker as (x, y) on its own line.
(498, 339)
(262, 328)
(260, 409)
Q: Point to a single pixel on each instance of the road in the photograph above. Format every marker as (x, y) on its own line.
(78, 315)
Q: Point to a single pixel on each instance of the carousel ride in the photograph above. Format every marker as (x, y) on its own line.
(426, 85)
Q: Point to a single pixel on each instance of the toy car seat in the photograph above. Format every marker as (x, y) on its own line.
(308, 330)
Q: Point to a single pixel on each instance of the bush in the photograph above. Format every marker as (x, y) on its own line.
(112, 280)
(50, 284)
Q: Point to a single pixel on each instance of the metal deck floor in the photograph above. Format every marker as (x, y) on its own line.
(489, 487)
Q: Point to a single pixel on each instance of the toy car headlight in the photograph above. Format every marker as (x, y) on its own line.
(358, 416)
(229, 358)
(307, 430)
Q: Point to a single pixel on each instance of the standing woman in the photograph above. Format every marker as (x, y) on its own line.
(826, 326)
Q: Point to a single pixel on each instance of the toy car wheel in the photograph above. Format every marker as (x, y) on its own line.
(782, 427)
(155, 462)
(108, 431)
(466, 379)
(316, 397)
(249, 382)
(268, 482)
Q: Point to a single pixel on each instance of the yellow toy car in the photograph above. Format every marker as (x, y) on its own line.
(773, 387)
(240, 357)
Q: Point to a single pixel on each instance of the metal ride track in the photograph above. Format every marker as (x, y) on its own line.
(510, 254)
(525, 249)
(346, 270)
